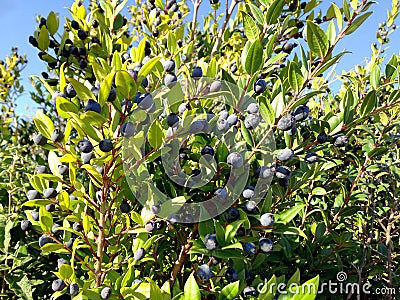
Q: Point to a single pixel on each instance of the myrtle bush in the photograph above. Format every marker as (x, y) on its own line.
(22, 267)
(202, 159)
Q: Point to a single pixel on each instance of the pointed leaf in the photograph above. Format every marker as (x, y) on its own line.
(230, 291)
(191, 289)
(148, 67)
(289, 214)
(274, 11)
(52, 23)
(368, 103)
(296, 78)
(156, 135)
(357, 23)
(252, 57)
(43, 39)
(81, 90)
(317, 39)
(250, 27)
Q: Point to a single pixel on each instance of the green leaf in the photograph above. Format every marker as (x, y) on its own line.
(274, 12)
(250, 27)
(317, 39)
(289, 214)
(46, 219)
(374, 77)
(308, 290)
(43, 39)
(233, 246)
(66, 271)
(252, 57)
(330, 62)
(54, 162)
(338, 15)
(171, 42)
(87, 128)
(63, 200)
(230, 291)
(148, 67)
(155, 291)
(296, 78)
(116, 62)
(5, 234)
(267, 112)
(92, 171)
(86, 224)
(272, 60)
(205, 228)
(151, 241)
(212, 68)
(220, 233)
(231, 229)
(64, 107)
(52, 23)
(63, 82)
(37, 202)
(318, 191)
(37, 183)
(125, 84)
(136, 218)
(137, 54)
(81, 90)
(331, 32)
(191, 290)
(391, 66)
(295, 278)
(346, 9)
(105, 88)
(173, 205)
(155, 135)
(256, 13)
(228, 253)
(357, 23)
(270, 44)
(93, 118)
(26, 288)
(293, 281)
(368, 103)
(98, 71)
(246, 134)
(44, 124)
(394, 96)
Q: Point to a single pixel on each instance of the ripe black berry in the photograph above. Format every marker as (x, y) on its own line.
(74, 24)
(82, 34)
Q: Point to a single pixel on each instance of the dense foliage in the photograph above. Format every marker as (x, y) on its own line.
(200, 159)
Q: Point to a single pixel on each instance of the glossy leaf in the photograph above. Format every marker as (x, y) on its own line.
(317, 39)
(191, 289)
(252, 57)
(52, 23)
(296, 78)
(357, 23)
(230, 291)
(250, 27)
(274, 11)
(43, 39)
(368, 103)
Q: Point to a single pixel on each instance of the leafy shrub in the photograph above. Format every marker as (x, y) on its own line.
(23, 270)
(232, 165)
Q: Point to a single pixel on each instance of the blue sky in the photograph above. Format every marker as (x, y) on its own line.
(17, 22)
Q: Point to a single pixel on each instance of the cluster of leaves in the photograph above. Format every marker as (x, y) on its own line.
(20, 256)
(336, 212)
